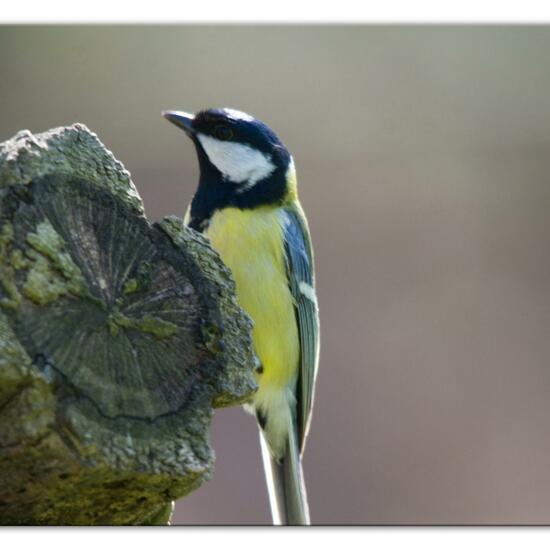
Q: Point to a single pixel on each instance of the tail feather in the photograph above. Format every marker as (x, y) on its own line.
(285, 483)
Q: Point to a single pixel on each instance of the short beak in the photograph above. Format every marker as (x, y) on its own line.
(181, 120)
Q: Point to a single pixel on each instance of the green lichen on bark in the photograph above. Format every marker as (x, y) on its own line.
(117, 339)
(157, 327)
(131, 285)
(43, 285)
(51, 271)
(15, 365)
(11, 298)
(50, 244)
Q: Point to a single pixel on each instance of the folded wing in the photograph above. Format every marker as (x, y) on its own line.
(300, 273)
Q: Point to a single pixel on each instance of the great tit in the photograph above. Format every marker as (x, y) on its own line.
(247, 205)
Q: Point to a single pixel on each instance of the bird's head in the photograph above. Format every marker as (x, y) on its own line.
(242, 161)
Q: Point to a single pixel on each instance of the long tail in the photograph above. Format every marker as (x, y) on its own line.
(285, 483)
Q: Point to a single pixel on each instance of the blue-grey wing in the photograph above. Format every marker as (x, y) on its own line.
(301, 277)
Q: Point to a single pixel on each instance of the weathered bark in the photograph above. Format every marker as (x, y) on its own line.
(117, 337)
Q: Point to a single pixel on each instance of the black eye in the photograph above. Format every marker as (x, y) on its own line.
(223, 133)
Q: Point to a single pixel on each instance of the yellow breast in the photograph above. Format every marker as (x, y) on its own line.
(250, 242)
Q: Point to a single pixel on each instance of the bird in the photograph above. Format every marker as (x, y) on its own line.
(246, 203)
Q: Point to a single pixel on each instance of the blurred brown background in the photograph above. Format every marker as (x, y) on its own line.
(423, 156)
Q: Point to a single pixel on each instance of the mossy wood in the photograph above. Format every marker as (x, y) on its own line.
(117, 338)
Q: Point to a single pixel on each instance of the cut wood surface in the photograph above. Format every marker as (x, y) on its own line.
(117, 339)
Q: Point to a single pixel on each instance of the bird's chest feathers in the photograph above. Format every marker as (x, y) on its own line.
(248, 240)
(251, 244)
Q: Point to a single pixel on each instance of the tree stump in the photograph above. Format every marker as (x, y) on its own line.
(117, 339)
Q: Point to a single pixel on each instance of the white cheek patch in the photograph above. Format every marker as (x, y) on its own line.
(237, 162)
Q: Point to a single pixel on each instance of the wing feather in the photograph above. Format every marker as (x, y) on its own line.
(300, 273)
